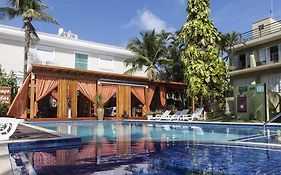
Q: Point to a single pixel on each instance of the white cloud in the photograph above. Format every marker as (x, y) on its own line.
(146, 20)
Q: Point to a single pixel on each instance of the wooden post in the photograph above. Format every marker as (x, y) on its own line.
(193, 104)
(32, 91)
(146, 102)
(73, 96)
(62, 101)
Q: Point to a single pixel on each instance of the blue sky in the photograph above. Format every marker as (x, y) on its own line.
(117, 21)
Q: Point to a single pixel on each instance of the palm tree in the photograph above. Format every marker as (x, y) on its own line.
(227, 42)
(29, 10)
(150, 52)
(175, 70)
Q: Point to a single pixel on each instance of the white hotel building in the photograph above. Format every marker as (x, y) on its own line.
(64, 49)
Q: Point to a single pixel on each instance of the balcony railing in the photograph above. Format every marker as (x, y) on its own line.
(261, 31)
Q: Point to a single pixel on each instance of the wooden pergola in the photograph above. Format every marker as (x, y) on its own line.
(63, 83)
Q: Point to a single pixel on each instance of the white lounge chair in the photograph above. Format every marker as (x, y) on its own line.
(8, 126)
(171, 117)
(196, 115)
(164, 115)
(182, 114)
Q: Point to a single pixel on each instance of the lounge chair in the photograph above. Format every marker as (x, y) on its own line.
(8, 126)
(164, 115)
(196, 115)
(182, 114)
(171, 117)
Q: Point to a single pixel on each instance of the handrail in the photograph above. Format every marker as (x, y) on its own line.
(271, 120)
(260, 32)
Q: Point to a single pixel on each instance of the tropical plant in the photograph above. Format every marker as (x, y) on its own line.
(228, 40)
(150, 52)
(29, 10)
(9, 80)
(99, 101)
(205, 71)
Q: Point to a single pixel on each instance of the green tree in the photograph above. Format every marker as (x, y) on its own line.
(205, 71)
(150, 52)
(29, 10)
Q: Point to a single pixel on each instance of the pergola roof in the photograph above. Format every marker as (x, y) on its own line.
(76, 74)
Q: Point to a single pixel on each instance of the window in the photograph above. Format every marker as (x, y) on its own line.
(274, 54)
(105, 62)
(81, 61)
(44, 55)
(242, 61)
(263, 56)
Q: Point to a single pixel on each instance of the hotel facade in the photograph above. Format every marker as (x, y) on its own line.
(66, 74)
(64, 50)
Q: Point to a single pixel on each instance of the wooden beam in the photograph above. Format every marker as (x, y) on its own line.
(32, 91)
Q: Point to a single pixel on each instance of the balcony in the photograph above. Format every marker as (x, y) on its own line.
(261, 31)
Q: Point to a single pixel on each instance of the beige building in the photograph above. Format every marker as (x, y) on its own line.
(257, 58)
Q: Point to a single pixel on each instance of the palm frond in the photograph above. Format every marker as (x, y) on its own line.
(46, 18)
(132, 70)
(8, 12)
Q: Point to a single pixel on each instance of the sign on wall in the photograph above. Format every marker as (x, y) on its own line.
(5, 94)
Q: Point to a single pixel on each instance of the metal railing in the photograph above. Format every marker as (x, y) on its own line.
(271, 120)
(259, 32)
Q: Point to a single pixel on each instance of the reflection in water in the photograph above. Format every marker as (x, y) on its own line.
(175, 158)
(131, 148)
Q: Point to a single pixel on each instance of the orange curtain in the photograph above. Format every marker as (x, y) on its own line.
(88, 88)
(139, 93)
(19, 105)
(150, 93)
(55, 95)
(44, 86)
(107, 91)
(163, 96)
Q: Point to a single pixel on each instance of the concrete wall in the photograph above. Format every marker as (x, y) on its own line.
(11, 57)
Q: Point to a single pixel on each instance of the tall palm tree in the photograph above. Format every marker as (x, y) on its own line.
(150, 50)
(29, 10)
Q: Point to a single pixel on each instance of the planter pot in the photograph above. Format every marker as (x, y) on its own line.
(100, 113)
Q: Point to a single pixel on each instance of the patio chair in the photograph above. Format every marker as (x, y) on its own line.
(182, 114)
(196, 115)
(171, 117)
(164, 115)
(8, 126)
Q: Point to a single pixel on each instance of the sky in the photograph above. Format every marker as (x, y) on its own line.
(115, 22)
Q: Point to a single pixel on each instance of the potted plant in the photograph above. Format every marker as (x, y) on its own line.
(125, 115)
(100, 109)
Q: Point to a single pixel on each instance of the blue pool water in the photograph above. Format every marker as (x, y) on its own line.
(158, 148)
(154, 131)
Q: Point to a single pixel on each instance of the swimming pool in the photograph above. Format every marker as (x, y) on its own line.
(122, 147)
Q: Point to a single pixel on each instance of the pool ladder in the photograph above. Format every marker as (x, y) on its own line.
(271, 120)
